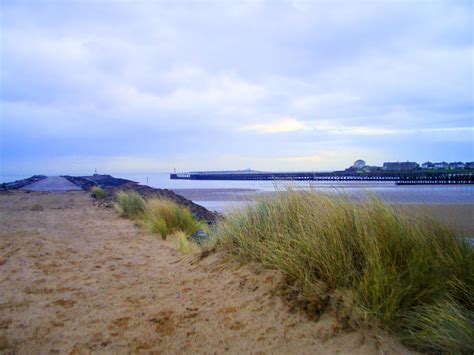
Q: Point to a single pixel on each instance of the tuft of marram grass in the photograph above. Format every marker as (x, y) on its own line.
(443, 327)
(395, 266)
(166, 217)
(157, 215)
(99, 193)
(182, 243)
(130, 204)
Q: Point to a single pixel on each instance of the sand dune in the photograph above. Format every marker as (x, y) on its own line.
(77, 279)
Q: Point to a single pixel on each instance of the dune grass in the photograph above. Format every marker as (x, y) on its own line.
(157, 215)
(182, 243)
(166, 217)
(411, 274)
(130, 205)
(99, 193)
(443, 327)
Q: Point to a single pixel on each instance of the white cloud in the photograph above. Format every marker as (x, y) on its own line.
(329, 128)
(326, 100)
(388, 75)
(303, 158)
(333, 128)
(281, 126)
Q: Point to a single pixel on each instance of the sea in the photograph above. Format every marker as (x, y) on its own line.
(387, 191)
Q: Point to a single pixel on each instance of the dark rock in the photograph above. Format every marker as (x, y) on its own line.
(36, 208)
(103, 181)
(81, 181)
(108, 181)
(198, 236)
(113, 185)
(198, 211)
(205, 253)
(18, 184)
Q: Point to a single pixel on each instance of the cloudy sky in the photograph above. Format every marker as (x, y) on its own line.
(148, 86)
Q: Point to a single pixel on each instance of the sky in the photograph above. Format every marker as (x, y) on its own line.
(152, 86)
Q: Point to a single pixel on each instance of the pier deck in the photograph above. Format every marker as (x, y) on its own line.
(400, 178)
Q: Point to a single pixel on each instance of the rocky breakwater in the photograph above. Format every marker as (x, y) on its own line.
(18, 184)
(105, 182)
(113, 185)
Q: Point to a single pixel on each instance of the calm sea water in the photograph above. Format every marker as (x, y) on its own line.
(388, 191)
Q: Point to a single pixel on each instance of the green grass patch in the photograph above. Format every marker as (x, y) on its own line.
(99, 193)
(130, 205)
(165, 217)
(182, 243)
(157, 215)
(408, 273)
(442, 327)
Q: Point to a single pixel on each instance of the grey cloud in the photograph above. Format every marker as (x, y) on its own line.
(147, 71)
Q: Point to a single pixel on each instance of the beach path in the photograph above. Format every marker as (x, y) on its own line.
(76, 278)
(52, 184)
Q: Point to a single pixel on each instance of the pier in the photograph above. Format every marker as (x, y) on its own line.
(399, 177)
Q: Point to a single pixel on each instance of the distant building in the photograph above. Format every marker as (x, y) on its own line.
(371, 169)
(441, 165)
(397, 166)
(359, 164)
(456, 165)
(427, 165)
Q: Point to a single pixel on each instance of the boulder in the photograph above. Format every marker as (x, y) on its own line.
(198, 237)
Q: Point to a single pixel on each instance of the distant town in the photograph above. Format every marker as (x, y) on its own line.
(401, 173)
(361, 166)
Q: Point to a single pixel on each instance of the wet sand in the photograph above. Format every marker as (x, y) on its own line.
(218, 194)
(77, 279)
(457, 216)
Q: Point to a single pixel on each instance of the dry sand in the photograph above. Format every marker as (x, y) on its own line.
(76, 278)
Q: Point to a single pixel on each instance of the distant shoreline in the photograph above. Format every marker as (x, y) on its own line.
(457, 214)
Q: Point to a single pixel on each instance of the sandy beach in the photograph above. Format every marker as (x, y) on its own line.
(77, 279)
(238, 177)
